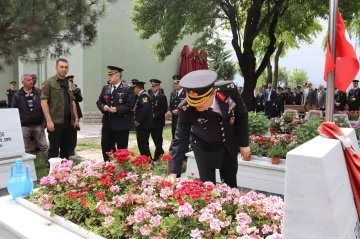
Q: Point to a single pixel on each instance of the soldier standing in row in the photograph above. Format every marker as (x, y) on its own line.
(215, 116)
(260, 100)
(280, 99)
(354, 97)
(176, 98)
(10, 92)
(143, 117)
(116, 101)
(159, 108)
(340, 100)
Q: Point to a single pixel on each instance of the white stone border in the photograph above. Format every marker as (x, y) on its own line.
(58, 220)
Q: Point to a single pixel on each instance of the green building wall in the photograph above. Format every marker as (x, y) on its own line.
(117, 44)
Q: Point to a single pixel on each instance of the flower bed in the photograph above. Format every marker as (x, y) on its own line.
(124, 199)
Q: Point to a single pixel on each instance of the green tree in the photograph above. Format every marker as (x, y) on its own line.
(298, 77)
(31, 29)
(284, 74)
(246, 20)
(218, 58)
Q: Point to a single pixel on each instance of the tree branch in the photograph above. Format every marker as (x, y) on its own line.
(271, 46)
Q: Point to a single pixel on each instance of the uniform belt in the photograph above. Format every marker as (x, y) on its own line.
(203, 144)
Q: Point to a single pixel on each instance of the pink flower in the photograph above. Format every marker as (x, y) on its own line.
(140, 214)
(155, 221)
(206, 216)
(109, 220)
(114, 188)
(266, 229)
(274, 236)
(243, 219)
(185, 210)
(103, 207)
(242, 229)
(145, 230)
(196, 234)
(215, 224)
(47, 206)
(48, 180)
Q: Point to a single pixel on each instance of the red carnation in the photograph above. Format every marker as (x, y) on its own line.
(84, 202)
(106, 97)
(100, 195)
(166, 157)
(122, 155)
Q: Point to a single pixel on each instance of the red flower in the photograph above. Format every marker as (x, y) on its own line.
(121, 175)
(100, 195)
(106, 97)
(122, 155)
(110, 168)
(84, 202)
(141, 160)
(165, 184)
(166, 157)
(74, 194)
(85, 189)
(168, 208)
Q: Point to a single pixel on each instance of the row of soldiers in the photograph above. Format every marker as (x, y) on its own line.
(123, 106)
(316, 98)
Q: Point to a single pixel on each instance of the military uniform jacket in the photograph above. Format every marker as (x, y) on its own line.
(211, 133)
(354, 93)
(123, 99)
(143, 111)
(175, 100)
(340, 97)
(10, 93)
(159, 108)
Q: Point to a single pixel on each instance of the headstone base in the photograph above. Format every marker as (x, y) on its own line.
(5, 164)
(258, 173)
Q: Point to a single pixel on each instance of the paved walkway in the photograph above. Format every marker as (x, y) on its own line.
(92, 133)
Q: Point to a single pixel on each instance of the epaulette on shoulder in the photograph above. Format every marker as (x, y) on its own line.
(225, 85)
(184, 106)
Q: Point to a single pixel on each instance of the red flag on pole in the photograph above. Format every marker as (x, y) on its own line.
(346, 64)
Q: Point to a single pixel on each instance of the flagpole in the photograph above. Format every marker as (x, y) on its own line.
(331, 77)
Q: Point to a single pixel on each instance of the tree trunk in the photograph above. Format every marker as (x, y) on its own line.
(269, 73)
(276, 63)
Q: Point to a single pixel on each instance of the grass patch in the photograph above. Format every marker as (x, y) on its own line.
(87, 145)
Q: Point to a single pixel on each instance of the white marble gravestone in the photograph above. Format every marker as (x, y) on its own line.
(318, 197)
(12, 145)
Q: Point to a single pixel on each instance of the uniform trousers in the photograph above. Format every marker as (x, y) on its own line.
(59, 138)
(228, 170)
(157, 136)
(109, 138)
(73, 140)
(174, 121)
(142, 138)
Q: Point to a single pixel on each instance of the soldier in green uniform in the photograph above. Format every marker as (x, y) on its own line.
(10, 92)
(159, 108)
(116, 101)
(215, 117)
(59, 108)
(354, 97)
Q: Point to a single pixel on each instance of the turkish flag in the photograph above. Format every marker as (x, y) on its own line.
(346, 64)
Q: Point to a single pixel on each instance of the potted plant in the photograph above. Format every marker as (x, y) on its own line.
(274, 125)
(276, 152)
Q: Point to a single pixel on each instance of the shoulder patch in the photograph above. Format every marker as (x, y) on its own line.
(225, 85)
(144, 99)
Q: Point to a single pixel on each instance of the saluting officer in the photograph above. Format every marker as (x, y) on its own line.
(215, 116)
(176, 98)
(116, 101)
(354, 97)
(11, 92)
(159, 108)
(143, 117)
